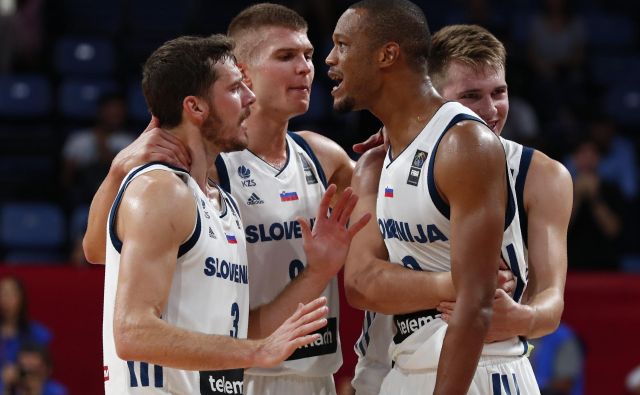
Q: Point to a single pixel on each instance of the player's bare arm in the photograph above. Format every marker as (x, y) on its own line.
(371, 282)
(157, 214)
(470, 174)
(547, 198)
(153, 144)
(326, 249)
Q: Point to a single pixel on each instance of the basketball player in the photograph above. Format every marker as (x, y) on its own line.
(467, 64)
(444, 203)
(281, 176)
(176, 281)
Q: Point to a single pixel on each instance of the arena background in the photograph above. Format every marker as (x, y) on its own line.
(58, 57)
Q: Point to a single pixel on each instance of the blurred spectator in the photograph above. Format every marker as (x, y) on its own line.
(32, 374)
(556, 52)
(596, 221)
(618, 157)
(558, 40)
(87, 153)
(15, 327)
(522, 124)
(20, 34)
(557, 361)
(633, 381)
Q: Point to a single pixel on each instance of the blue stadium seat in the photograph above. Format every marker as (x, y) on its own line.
(78, 222)
(92, 16)
(630, 264)
(136, 105)
(609, 33)
(607, 70)
(156, 16)
(24, 96)
(79, 96)
(31, 225)
(88, 56)
(26, 257)
(622, 103)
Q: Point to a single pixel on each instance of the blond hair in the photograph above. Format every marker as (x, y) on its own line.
(471, 45)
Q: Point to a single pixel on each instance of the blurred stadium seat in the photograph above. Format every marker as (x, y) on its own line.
(78, 97)
(92, 16)
(136, 105)
(622, 103)
(27, 95)
(27, 226)
(607, 70)
(86, 56)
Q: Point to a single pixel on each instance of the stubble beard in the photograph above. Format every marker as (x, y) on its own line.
(345, 105)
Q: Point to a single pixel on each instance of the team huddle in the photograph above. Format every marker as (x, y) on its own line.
(223, 232)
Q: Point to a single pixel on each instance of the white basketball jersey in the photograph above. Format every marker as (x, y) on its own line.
(209, 294)
(372, 347)
(414, 221)
(518, 160)
(270, 199)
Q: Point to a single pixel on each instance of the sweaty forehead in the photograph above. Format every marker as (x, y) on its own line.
(465, 76)
(351, 23)
(227, 71)
(274, 38)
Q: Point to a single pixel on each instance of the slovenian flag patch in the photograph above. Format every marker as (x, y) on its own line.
(288, 196)
(231, 239)
(388, 192)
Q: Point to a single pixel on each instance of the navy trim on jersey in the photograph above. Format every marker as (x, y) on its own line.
(525, 162)
(144, 374)
(115, 240)
(391, 160)
(511, 203)
(515, 268)
(307, 148)
(438, 201)
(188, 245)
(223, 175)
(133, 381)
(234, 206)
(158, 377)
(496, 384)
(363, 342)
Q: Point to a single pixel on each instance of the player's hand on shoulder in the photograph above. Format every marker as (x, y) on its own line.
(375, 140)
(153, 145)
(295, 332)
(327, 245)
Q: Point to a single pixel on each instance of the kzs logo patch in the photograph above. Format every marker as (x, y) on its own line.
(245, 173)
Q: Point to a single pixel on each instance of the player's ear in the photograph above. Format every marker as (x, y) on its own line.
(244, 69)
(195, 109)
(388, 54)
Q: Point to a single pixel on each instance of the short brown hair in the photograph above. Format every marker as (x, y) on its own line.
(472, 45)
(179, 68)
(400, 21)
(257, 16)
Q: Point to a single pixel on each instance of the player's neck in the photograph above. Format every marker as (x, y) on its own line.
(267, 136)
(405, 109)
(202, 154)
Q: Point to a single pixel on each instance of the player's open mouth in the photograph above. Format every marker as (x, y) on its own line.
(337, 79)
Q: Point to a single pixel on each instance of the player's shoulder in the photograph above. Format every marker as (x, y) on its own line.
(366, 174)
(158, 188)
(548, 170)
(471, 140)
(371, 160)
(548, 184)
(321, 145)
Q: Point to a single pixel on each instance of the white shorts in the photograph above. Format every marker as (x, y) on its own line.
(368, 376)
(288, 384)
(495, 375)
